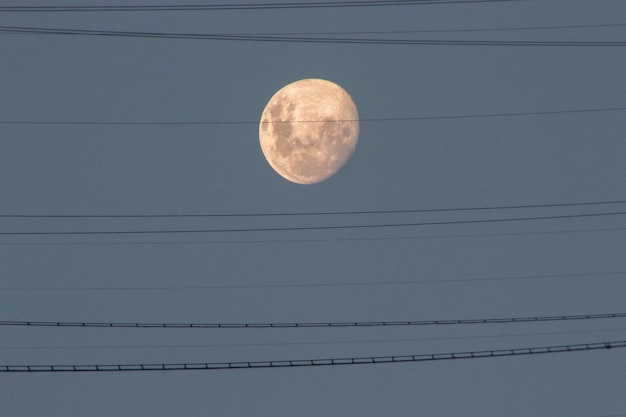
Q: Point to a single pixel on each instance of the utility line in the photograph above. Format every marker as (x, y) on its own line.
(304, 39)
(243, 6)
(314, 285)
(313, 324)
(308, 228)
(320, 213)
(422, 31)
(369, 360)
(415, 31)
(377, 119)
(467, 30)
(320, 240)
(311, 343)
(611, 415)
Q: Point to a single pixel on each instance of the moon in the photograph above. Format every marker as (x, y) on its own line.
(308, 130)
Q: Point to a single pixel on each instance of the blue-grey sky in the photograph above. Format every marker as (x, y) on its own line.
(457, 271)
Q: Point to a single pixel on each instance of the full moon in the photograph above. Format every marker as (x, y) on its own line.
(308, 130)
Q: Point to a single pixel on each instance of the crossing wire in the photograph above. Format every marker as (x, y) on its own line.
(304, 39)
(313, 324)
(377, 119)
(459, 30)
(304, 240)
(602, 274)
(309, 228)
(307, 343)
(243, 6)
(320, 213)
(369, 360)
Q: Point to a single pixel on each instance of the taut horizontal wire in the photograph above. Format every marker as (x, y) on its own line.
(312, 343)
(374, 119)
(370, 360)
(320, 213)
(302, 39)
(318, 285)
(313, 285)
(243, 6)
(302, 228)
(320, 240)
(314, 324)
(459, 30)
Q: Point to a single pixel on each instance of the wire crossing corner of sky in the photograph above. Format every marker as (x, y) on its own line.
(299, 363)
(304, 325)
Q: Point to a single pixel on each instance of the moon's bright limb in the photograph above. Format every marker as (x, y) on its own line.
(308, 130)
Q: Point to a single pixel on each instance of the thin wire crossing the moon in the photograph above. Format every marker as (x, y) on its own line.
(307, 228)
(369, 360)
(371, 120)
(301, 325)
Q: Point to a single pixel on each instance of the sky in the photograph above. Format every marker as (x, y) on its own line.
(122, 150)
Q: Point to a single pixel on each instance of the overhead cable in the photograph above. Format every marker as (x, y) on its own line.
(243, 6)
(367, 120)
(321, 213)
(308, 343)
(313, 324)
(460, 30)
(425, 31)
(369, 360)
(603, 274)
(304, 39)
(312, 240)
(308, 228)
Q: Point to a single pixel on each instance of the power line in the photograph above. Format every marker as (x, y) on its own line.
(308, 228)
(305, 39)
(321, 240)
(312, 343)
(313, 324)
(370, 360)
(414, 31)
(320, 213)
(377, 119)
(243, 6)
(314, 285)
(612, 415)
(467, 30)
